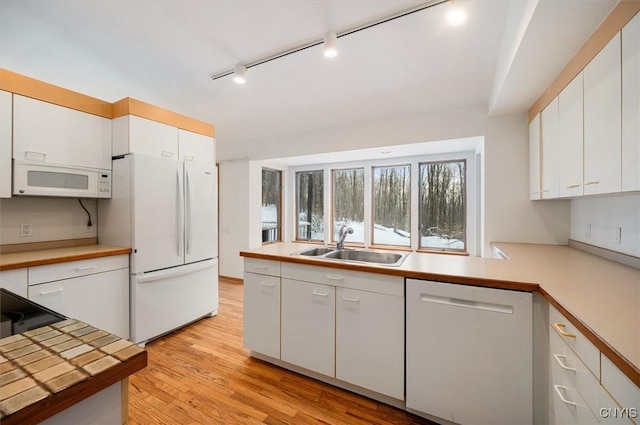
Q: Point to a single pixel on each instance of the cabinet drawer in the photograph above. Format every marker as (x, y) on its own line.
(258, 266)
(53, 272)
(575, 370)
(610, 411)
(586, 351)
(372, 282)
(621, 388)
(14, 281)
(566, 403)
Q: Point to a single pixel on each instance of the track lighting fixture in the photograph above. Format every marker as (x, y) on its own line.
(239, 73)
(456, 17)
(330, 45)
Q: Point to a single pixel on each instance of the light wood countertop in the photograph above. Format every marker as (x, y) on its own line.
(600, 297)
(18, 260)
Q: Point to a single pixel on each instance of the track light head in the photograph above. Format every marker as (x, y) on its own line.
(330, 45)
(239, 74)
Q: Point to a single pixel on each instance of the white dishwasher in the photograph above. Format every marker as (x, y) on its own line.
(469, 353)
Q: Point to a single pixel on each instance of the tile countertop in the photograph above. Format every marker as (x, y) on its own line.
(600, 297)
(18, 260)
(46, 370)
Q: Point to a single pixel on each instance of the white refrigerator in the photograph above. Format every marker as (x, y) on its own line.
(166, 211)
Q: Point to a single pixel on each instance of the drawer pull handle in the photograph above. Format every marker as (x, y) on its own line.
(591, 183)
(320, 294)
(81, 269)
(353, 300)
(51, 292)
(332, 277)
(270, 285)
(166, 154)
(560, 328)
(35, 156)
(562, 364)
(188, 158)
(573, 186)
(564, 400)
(260, 267)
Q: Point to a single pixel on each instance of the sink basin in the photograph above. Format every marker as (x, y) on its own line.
(368, 256)
(316, 252)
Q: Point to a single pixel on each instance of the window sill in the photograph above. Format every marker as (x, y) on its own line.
(436, 251)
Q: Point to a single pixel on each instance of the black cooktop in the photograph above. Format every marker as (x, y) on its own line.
(19, 315)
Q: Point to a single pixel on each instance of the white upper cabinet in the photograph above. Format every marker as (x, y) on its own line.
(631, 105)
(603, 121)
(534, 158)
(53, 134)
(194, 147)
(570, 159)
(133, 134)
(550, 150)
(5, 143)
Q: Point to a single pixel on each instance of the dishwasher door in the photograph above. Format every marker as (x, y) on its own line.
(469, 353)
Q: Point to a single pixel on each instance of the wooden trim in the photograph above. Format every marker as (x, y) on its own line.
(631, 371)
(130, 106)
(36, 89)
(36, 246)
(48, 407)
(235, 280)
(612, 24)
(443, 251)
(65, 258)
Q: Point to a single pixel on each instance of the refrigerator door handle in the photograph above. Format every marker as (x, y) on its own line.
(179, 218)
(174, 272)
(188, 212)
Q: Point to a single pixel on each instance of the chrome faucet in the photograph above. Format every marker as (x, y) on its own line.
(342, 234)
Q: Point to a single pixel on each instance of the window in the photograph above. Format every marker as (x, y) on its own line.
(442, 205)
(348, 203)
(310, 205)
(271, 205)
(391, 205)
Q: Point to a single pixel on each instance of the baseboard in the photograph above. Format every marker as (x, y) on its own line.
(618, 257)
(230, 279)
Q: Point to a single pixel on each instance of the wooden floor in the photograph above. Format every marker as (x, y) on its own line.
(201, 374)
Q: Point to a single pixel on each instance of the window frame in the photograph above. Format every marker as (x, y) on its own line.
(372, 221)
(463, 251)
(364, 213)
(296, 206)
(279, 226)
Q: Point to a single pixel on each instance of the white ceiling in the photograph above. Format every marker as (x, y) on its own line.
(163, 52)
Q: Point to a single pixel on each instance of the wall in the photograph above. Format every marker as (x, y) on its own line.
(604, 214)
(51, 219)
(509, 215)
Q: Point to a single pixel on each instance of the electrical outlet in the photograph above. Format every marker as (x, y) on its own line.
(618, 235)
(588, 231)
(26, 230)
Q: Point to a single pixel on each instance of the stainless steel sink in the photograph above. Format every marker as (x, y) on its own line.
(316, 252)
(368, 256)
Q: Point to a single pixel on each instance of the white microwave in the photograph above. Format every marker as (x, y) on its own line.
(38, 179)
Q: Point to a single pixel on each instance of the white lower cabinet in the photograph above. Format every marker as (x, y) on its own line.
(99, 299)
(262, 314)
(14, 281)
(469, 353)
(370, 341)
(308, 325)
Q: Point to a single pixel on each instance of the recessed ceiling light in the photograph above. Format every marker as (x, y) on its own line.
(456, 16)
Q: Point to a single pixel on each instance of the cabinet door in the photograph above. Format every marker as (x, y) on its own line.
(54, 134)
(308, 326)
(193, 147)
(534, 158)
(14, 281)
(370, 341)
(262, 314)
(602, 121)
(101, 300)
(6, 111)
(631, 105)
(550, 150)
(570, 160)
(133, 134)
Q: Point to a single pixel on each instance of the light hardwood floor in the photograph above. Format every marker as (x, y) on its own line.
(201, 374)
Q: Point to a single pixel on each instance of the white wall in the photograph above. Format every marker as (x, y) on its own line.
(604, 215)
(509, 214)
(51, 219)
